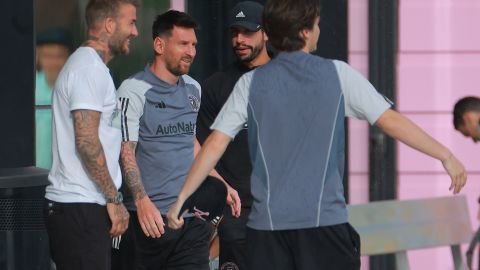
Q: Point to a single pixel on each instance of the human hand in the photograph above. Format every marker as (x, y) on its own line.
(119, 216)
(149, 218)
(457, 173)
(233, 200)
(175, 220)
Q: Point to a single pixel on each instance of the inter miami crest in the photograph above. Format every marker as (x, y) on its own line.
(194, 102)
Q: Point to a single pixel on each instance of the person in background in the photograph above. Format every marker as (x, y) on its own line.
(54, 45)
(249, 43)
(466, 120)
(466, 117)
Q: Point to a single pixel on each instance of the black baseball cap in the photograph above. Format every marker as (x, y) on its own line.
(248, 15)
(208, 201)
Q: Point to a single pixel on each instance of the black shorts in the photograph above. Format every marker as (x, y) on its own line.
(330, 247)
(183, 249)
(232, 233)
(79, 235)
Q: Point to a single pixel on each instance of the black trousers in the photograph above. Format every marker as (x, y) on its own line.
(186, 248)
(79, 235)
(183, 249)
(124, 256)
(232, 233)
(323, 248)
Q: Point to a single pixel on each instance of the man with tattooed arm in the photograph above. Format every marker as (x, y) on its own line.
(159, 107)
(83, 208)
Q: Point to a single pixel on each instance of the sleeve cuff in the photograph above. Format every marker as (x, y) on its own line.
(85, 106)
(372, 119)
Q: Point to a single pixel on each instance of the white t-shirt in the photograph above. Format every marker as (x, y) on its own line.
(83, 83)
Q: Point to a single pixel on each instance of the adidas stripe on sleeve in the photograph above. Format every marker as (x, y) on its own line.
(131, 98)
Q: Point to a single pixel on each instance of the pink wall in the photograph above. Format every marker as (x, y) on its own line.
(177, 5)
(438, 62)
(358, 130)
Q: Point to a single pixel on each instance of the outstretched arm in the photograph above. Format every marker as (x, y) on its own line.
(204, 162)
(233, 200)
(404, 130)
(90, 150)
(148, 215)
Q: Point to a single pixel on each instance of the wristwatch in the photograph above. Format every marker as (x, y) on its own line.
(117, 199)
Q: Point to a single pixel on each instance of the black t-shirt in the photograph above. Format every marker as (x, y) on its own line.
(235, 165)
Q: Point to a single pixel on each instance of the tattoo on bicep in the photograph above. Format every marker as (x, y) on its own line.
(85, 115)
(131, 171)
(90, 149)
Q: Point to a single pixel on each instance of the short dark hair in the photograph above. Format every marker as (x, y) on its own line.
(98, 10)
(284, 19)
(464, 105)
(163, 24)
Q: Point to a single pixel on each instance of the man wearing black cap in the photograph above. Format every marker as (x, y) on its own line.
(249, 44)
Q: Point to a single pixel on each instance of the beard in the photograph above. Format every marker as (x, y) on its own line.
(176, 68)
(118, 44)
(255, 51)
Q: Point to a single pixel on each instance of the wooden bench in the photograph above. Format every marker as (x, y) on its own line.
(397, 226)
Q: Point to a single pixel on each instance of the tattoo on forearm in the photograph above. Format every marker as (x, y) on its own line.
(90, 149)
(130, 169)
